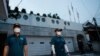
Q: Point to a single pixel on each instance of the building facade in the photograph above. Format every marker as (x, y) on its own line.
(39, 31)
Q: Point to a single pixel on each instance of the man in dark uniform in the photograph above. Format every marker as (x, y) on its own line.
(81, 46)
(90, 46)
(16, 45)
(58, 43)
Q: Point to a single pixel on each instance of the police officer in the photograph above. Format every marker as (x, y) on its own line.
(58, 44)
(16, 45)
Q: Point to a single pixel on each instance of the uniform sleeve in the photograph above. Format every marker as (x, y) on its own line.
(7, 41)
(25, 41)
(64, 40)
(52, 41)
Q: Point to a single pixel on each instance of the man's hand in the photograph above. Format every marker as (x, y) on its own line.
(68, 54)
(54, 54)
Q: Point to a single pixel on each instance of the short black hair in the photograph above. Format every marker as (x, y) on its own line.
(16, 25)
(57, 30)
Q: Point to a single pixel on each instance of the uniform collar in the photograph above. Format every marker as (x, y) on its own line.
(16, 36)
(59, 36)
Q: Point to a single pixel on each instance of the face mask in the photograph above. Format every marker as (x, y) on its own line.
(17, 30)
(58, 33)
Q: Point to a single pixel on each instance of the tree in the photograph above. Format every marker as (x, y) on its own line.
(54, 16)
(49, 15)
(44, 15)
(31, 12)
(16, 10)
(38, 14)
(9, 9)
(58, 17)
(23, 10)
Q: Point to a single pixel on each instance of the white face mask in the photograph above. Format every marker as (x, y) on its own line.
(17, 30)
(58, 33)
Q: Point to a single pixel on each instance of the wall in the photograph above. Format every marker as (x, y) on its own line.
(41, 31)
(32, 21)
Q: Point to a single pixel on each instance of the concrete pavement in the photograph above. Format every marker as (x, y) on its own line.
(86, 54)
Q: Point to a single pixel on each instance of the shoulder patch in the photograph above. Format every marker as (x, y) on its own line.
(21, 38)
